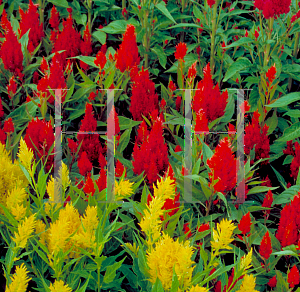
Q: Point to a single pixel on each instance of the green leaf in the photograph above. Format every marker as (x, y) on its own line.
(260, 189)
(285, 100)
(86, 59)
(175, 282)
(241, 64)
(115, 27)
(100, 36)
(124, 140)
(290, 133)
(110, 273)
(60, 3)
(161, 6)
(158, 287)
(239, 42)
(161, 56)
(184, 25)
(126, 123)
(287, 195)
(272, 123)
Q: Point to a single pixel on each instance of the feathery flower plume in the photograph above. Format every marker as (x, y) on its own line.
(293, 277)
(25, 230)
(59, 286)
(222, 237)
(123, 189)
(19, 280)
(181, 50)
(246, 260)
(15, 202)
(25, 155)
(265, 249)
(197, 288)
(248, 284)
(245, 224)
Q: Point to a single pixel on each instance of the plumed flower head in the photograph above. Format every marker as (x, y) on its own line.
(19, 280)
(223, 235)
(181, 50)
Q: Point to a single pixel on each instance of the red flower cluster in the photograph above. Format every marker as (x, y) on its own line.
(255, 135)
(127, 55)
(245, 224)
(273, 8)
(68, 40)
(55, 80)
(12, 87)
(143, 87)
(265, 249)
(223, 167)
(100, 60)
(120, 169)
(268, 200)
(181, 50)
(30, 20)
(289, 223)
(86, 47)
(8, 126)
(90, 142)
(271, 74)
(152, 155)
(295, 17)
(210, 3)
(201, 122)
(209, 97)
(11, 53)
(293, 277)
(41, 134)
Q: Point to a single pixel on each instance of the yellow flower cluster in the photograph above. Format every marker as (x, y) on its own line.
(15, 202)
(248, 284)
(223, 236)
(123, 189)
(151, 223)
(26, 156)
(198, 289)
(25, 230)
(246, 261)
(59, 286)
(167, 254)
(19, 280)
(10, 175)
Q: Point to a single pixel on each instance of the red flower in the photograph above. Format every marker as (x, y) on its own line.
(8, 126)
(11, 53)
(40, 135)
(268, 200)
(245, 224)
(256, 34)
(273, 8)
(209, 98)
(124, 12)
(172, 86)
(204, 227)
(2, 137)
(44, 65)
(84, 164)
(271, 74)
(272, 282)
(181, 50)
(89, 187)
(54, 18)
(290, 148)
(210, 3)
(192, 72)
(30, 20)
(101, 182)
(178, 148)
(223, 167)
(201, 122)
(119, 169)
(5, 24)
(73, 146)
(128, 55)
(245, 107)
(100, 60)
(265, 249)
(293, 277)
(187, 230)
(143, 86)
(86, 46)
(12, 87)
(116, 121)
(69, 41)
(246, 33)
(178, 103)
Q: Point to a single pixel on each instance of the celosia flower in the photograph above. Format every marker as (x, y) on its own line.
(143, 86)
(69, 40)
(25, 155)
(11, 53)
(40, 231)
(203, 227)
(178, 103)
(54, 18)
(9, 126)
(119, 169)
(209, 98)
(152, 155)
(248, 284)
(30, 20)
(187, 230)
(197, 288)
(172, 86)
(246, 260)
(271, 74)
(86, 46)
(210, 3)
(245, 224)
(89, 186)
(64, 175)
(273, 8)
(12, 87)
(265, 249)
(166, 255)
(268, 200)
(256, 34)
(192, 72)
(25, 230)
(19, 281)
(123, 189)
(59, 286)
(15, 202)
(101, 182)
(290, 148)
(127, 55)
(100, 60)
(222, 237)
(293, 277)
(181, 50)
(73, 146)
(201, 122)
(40, 135)
(84, 164)
(44, 65)
(223, 167)
(272, 282)
(5, 24)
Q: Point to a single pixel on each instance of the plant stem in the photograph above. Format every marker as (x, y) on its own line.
(295, 53)
(213, 34)
(266, 59)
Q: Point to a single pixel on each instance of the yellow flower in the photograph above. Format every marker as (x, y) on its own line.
(64, 174)
(164, 256)
(54, 193)
(165, 188)
(11, 175)
(40, 230)
(222, 237)
(25, 230)
(123, 189)
(134, 248)
(19, 280)
(59, 286)
(248, 284)
(25, 155)
(15, 200)
(198, 289)
(246, 261)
